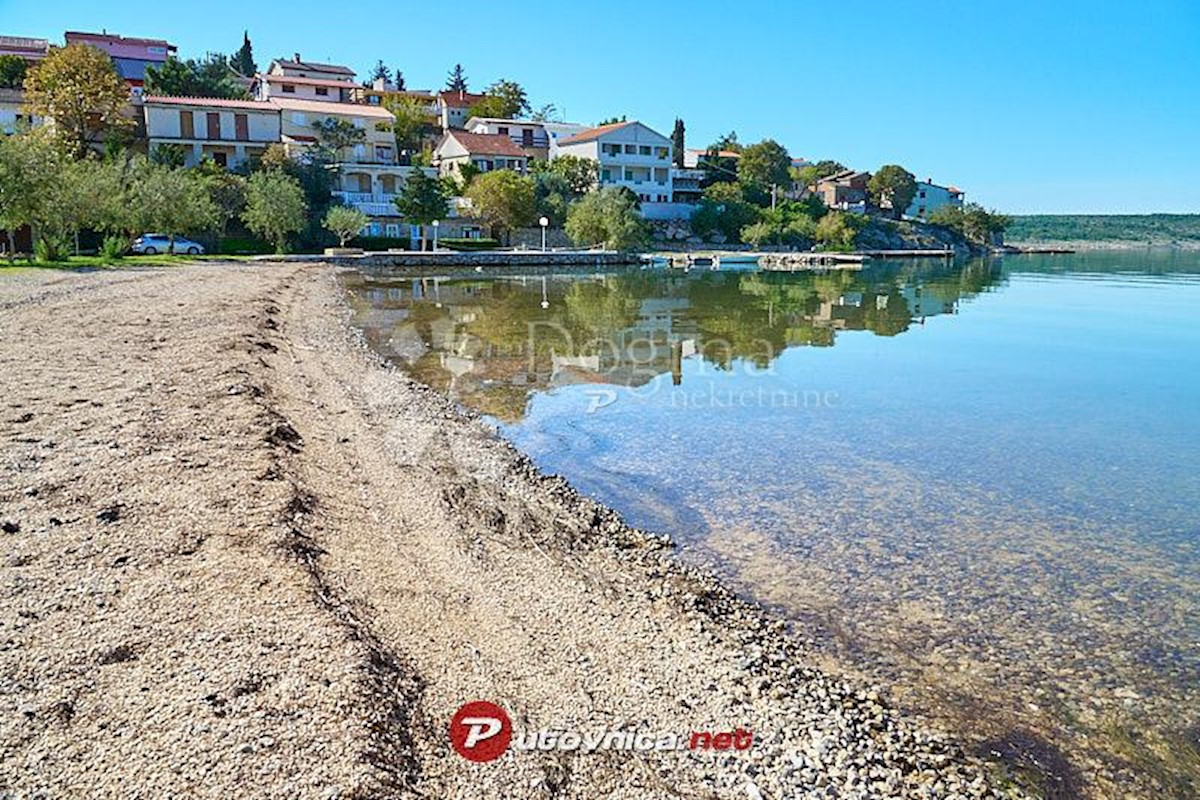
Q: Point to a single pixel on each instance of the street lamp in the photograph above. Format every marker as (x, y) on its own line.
(543, 222)
(435, 232)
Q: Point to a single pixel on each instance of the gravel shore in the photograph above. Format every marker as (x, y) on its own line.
(243, 558)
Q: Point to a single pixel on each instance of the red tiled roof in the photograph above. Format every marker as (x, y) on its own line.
(487, 144)
(256, 105)
(594, 133)
(460, 99)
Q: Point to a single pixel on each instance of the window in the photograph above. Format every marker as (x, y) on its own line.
(503, 131)
(288, 88)
(221, 158)
(661, 152)
(631, 149)
(922, 194)
(383, 152)
(644, 150)
(605, 175)
(323, 91)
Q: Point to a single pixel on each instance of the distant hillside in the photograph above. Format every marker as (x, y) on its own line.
(1154, 229)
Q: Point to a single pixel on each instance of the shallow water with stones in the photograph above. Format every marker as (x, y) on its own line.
(977, 483)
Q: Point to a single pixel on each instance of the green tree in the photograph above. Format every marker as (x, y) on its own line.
(807, 176)
(412, 124)
(554, 196)
(765, 165)
(226, 189)
(422, 200)
(504, 99)
(379, 71)
(546, 113)
(172, 201)
(211, 76)
(275, 207)
(345, 223)
(12, 72)
(336, 135)
(610, 121)
(723, 212)
(30, 165)
(243, 59)
(678, 141)
(609, 217)
(972, 221)
(504, 199)
(727, 142)
(580, 174)
(457, 82)
(838, 230)
(79, 89)
(893, 188)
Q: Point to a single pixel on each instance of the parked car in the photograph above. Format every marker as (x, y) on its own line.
(153, 243)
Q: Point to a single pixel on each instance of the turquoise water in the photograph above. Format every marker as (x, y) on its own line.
(976, 483)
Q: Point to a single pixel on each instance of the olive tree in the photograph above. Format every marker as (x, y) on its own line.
(275, 207)
(345, 222)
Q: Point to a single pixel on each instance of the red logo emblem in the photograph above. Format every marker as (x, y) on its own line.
(480, 731)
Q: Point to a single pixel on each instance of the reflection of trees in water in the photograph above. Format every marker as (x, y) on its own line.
(492, 344)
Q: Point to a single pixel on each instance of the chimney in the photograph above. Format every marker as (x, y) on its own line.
(296, 57)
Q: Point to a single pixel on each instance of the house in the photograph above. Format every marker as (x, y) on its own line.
(930, 197)
(453, 108)
(846, 190)
(13, 114)
(381, 93)
(298, 68)
(303, 80)
(230, 132)
(32, 50)
(484, 151)
(628, 154)
(131, 56)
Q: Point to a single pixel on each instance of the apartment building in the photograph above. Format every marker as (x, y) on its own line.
(628, 154)
(230, 132)
(846, 190)
(130, 55)
(28, 48)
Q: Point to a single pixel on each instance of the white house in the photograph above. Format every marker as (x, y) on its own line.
(484, 151)
(13, 115)
(227, 131)
(930, 197)
(628, 154)
(302, 80)
(632, 155)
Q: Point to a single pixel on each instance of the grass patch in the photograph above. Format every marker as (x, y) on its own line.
(126, 262)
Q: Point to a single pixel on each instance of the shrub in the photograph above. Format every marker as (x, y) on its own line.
(51, 249)
(235, 246)
(383, 243)
(114, 247)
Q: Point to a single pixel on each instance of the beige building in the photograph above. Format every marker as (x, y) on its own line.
(228, 131)
(13, 114)
(486, 152)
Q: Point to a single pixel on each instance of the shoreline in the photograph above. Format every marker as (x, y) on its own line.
(249, 554)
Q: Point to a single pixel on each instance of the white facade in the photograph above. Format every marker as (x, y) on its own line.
(628, 154)
(227, 131)
(13, 116)
(930, 197)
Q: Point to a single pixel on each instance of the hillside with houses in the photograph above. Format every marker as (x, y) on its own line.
(405, 167)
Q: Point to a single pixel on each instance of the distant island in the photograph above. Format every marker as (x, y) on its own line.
(1102, 231)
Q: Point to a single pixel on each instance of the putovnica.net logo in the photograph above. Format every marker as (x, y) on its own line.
(711, 396)
(482, 731)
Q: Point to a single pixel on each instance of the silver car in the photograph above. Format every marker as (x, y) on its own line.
(153, 243)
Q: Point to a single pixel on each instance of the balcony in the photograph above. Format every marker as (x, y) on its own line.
(379, 204)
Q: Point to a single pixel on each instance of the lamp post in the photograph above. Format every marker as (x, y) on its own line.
(436, 223)
(543, 222)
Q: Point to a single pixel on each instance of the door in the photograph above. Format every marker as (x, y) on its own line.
(187, 125)
(214, 126)
(241, 127)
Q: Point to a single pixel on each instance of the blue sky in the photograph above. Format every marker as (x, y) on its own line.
(1031, 106)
